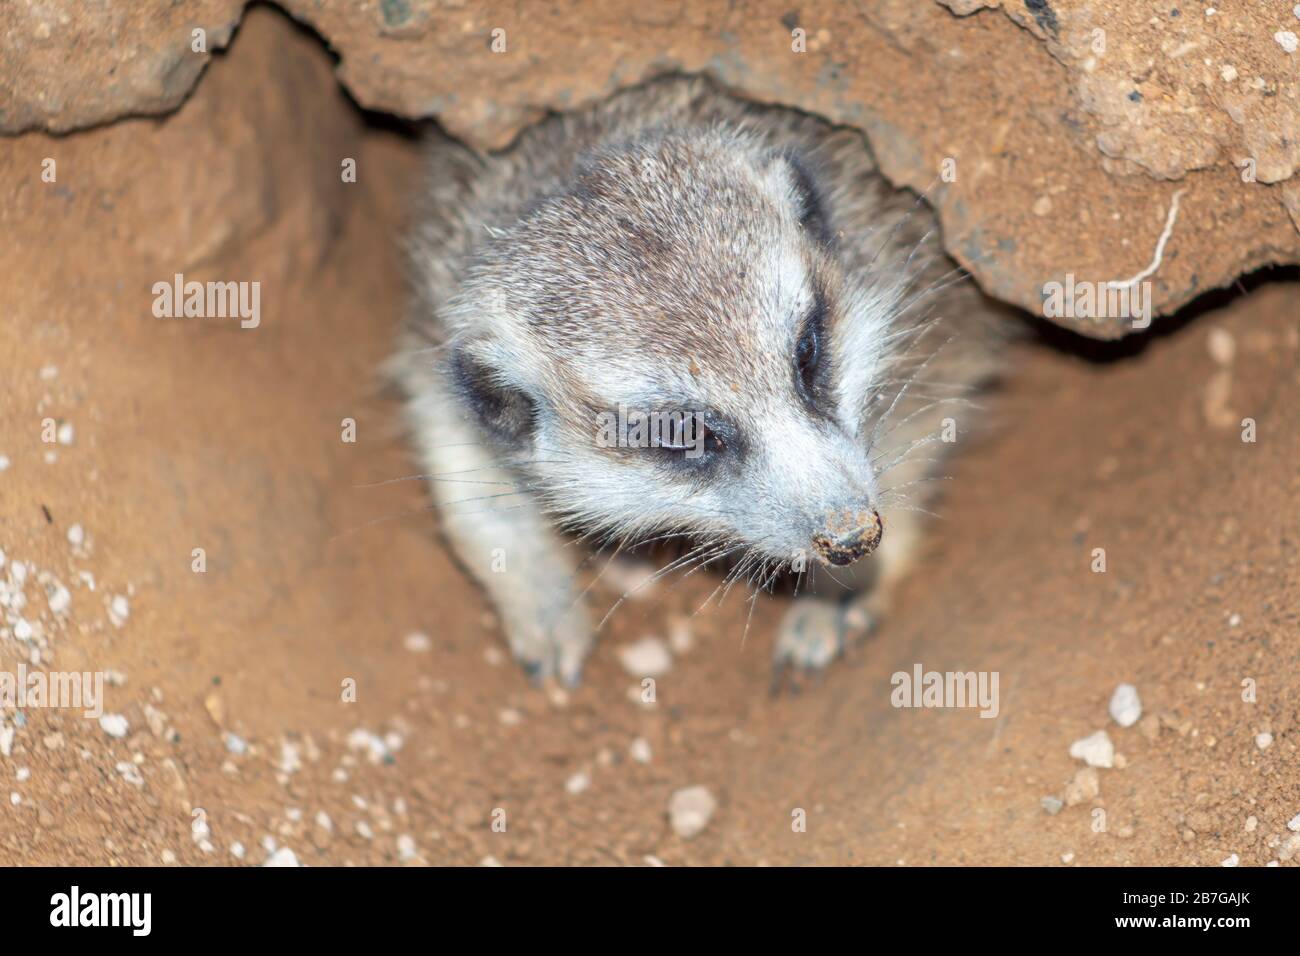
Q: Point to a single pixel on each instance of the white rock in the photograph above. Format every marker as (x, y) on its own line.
(237, 850)
(1231, 861)
(6, 740)
(65, 433)
(4, 462)
(282, 857)
(1294, 824)
(579, 782)
(648, 657)
(1264, 740)
(60, 599)
(1287, 40)
(76, 535)
(119, 609)
(234, 743)
(640, 750)
(417, 642)
(23, 629)
(405, 847)
(1095, 751)
(115, 725)
(1222, 346)
(690, 809)
(1125, 705)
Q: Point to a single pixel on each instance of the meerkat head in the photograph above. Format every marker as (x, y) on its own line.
(694, 278)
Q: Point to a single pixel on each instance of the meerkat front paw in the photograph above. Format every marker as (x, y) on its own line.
(814, 633)
(550, 642)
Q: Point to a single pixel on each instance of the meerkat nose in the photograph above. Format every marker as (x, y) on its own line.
(848, 535)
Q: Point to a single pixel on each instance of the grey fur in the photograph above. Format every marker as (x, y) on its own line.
(660, 250)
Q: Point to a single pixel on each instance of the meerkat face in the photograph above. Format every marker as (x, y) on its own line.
(669, 343)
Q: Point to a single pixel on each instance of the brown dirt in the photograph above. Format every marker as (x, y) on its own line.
(194, 435)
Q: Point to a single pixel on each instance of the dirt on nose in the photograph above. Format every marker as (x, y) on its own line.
(849, 535)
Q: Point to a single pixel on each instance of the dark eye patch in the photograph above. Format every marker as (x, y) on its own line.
(810, 206)
(812, 358)
(507, 414)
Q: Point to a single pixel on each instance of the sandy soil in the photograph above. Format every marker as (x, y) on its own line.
(242, 735)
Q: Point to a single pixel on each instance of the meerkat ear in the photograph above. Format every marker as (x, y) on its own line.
(800, 186)
(507, 413)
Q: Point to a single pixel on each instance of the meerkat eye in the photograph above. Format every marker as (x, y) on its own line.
(809, 359)
(703, 446)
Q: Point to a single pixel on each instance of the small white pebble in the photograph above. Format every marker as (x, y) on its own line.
(1234, 620)
(1221, 344)
(237, 850)
(65, 433)
(690, 809)
(1287, 40)
(60, 599)
(1264, 740)
(1251, 824)
(405, 847)
(324, 822)
(1067, 857)
(647, 657)
(579, 782)
(1229, 73)
(15, 798)
(22, 774)
(1125, 705)
(282, 857)
(1294, 824)
(234, 743)
(640, 750)
(1231, 861)
(76, 535)
(114, 725)
(4, 462)
(1095, 750)
(23, 629)
(364, 831)
(169, 857)
(417, 642)
(119, 609)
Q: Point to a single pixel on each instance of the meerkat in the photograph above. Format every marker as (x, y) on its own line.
(677, 249)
